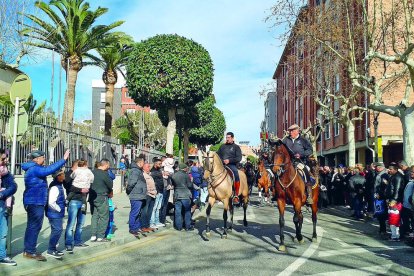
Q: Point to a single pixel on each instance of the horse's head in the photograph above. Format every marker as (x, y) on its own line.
(281, 156)
(208, 163)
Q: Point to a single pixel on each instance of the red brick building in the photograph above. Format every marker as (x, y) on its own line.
(128, 104)
(295, 107)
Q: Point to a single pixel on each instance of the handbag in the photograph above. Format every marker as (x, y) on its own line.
(379, 206)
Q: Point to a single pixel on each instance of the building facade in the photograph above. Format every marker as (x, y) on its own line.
(270, 125)
(98, 104)
(292, 76)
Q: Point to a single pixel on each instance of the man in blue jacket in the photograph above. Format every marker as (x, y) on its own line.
(35, 198)
(10, 188)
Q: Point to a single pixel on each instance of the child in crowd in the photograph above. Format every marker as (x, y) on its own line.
(109, 233)
(394, 218)
(82, 178)
(168, 165)
(3, 172)
(55, 212)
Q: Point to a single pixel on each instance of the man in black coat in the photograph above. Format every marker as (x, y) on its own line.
(370, 187)
(231, 155)
(381, 185)
(395, 190)
(301, 149)
(356, 189)
(182, 198)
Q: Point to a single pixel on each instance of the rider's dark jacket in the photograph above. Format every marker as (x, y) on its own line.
(299, 145)
(231, 152)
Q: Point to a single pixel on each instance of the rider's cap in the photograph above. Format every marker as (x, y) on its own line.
(182, 166)
(36, 153)
(292, 127)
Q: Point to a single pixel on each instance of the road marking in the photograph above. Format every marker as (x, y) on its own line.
(343, 244)
(363, 271)
(101, 255)
(346, 251)
(305, 256)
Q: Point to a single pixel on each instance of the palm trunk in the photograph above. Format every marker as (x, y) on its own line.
(186, 143)
(69, 107)
(171, 129)
(351, 143)
(109, 108)
(407, 122)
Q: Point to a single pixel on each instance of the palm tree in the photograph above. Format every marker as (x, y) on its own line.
(111, 59)
(72, 34)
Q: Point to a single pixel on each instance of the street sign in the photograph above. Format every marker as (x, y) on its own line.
(21, 88)
(22, 123)
(379, 147)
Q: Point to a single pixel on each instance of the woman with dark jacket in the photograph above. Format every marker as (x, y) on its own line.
(182, 198)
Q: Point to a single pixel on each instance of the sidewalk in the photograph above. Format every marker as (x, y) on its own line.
(26, 266)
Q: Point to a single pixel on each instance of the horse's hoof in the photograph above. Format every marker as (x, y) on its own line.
(296, 240)
(314, 239)
(245, 224)
(229, 229)
(282, 248)
(224, 236)
(302, 241)
(208, 234)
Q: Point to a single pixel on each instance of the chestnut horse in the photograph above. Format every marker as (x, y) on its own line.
(264, 182)
(290, 185)
(220, 187)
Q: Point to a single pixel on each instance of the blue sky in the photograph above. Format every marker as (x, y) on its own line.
(243, 48)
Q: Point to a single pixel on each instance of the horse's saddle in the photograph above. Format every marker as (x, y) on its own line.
(300, 167)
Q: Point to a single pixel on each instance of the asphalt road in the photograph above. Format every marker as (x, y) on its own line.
(344, 247)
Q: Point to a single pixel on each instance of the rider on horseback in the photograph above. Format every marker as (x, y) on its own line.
(301, 149)
(231, 155)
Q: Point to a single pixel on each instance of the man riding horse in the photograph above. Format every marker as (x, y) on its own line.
(301, 149)
(231, 155)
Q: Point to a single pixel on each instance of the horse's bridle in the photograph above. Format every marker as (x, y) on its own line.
(279, 173)
(212, 177)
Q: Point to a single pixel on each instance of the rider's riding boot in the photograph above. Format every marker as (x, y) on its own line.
(236, 192)
(309, 199)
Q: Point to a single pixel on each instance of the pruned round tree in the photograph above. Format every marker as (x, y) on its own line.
(210, 133)
(169, 72)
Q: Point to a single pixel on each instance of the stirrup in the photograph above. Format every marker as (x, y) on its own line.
(236, 200)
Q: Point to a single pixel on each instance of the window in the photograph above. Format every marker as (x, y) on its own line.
(130, 110)
(127, 94)
(328, 131)
(337, 83)
(102, 115)
(103, 97)
(336, 124)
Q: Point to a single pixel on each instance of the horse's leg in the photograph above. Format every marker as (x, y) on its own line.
(225, 210)
(211, 201)
(281, 206)
(245, 204)
(298, 219)
(231, 208)
(314, 220)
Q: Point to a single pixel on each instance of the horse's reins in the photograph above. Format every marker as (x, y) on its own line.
(282, 170)
(212, 176)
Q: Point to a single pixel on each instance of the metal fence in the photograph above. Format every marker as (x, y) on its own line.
(45, 134)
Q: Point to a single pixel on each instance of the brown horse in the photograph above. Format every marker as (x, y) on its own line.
(289, 185)
(220, 187)
(264, 182)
